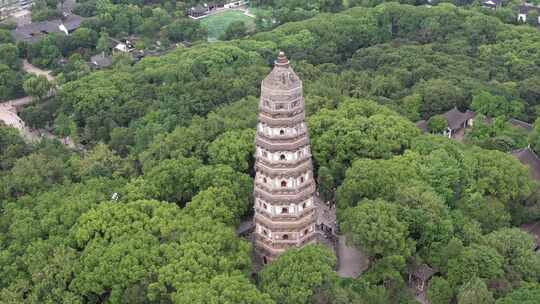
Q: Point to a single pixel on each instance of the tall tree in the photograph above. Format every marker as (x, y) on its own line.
(440, 291)
(37, 86)
(233, 148)
(374, 227)
(475, 292)
(9, 55)
(235, 30)
(298, 275)
(526, 294)
(493, 105)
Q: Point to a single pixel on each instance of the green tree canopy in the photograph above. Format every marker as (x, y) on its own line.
(297, 275)
(235, 30)
(475, 292)
(437, 124)
(147, 250)
(440, 291)
(37, 86)
(527, 294)
(475, 261)
(374, 226)
(493, 105)
(233, 148)
(9, 55)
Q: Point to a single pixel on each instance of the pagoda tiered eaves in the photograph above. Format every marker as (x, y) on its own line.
(284, 186)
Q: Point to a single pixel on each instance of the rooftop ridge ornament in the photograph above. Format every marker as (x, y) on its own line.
(282, 60)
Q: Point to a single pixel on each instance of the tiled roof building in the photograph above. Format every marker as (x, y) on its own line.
(457, 122)
(35, 31)
(527, 157)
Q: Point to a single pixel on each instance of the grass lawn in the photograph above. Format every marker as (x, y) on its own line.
(255, 10)
(217, 23)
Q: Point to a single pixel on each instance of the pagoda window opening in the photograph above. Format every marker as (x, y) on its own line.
(283, 184)
(301, 179)
(265, 207)
(265, 155)
(306, 231)
(280, 106)
(282, 157)
(265, 260)
(300, 154)
(304, 205)
(291, 77)
(285, 236)
(265, 232)
(264, 180)
(284, 210)
(281, 132)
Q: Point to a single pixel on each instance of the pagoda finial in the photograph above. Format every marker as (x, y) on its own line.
(282, 59)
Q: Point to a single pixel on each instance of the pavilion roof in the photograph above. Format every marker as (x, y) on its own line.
(456, 118)
(423, 272)
(422, 125)
(534, 229)
(521, 124)
(527, 157)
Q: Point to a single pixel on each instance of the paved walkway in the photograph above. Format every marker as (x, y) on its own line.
(29, 68)
(9, 109)
(8, 115)
(422, 298)
(352, 262)
(17, 102)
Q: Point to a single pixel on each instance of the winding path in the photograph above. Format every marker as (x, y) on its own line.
(10, 108)
(29, 68)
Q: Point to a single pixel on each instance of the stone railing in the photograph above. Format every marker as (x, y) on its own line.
(298, 220)
(286, 110)
(282, 138)
(282, 168)
(283, 199)
(308, 184)
(284, 244)
(281, 121)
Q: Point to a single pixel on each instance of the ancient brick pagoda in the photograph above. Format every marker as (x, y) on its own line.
(285, 212)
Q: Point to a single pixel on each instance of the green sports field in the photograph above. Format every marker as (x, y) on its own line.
(217, 23)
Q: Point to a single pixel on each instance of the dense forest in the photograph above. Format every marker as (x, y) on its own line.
(146, 212)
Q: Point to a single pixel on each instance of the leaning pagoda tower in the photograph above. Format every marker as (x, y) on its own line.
(284, 190)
